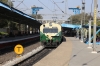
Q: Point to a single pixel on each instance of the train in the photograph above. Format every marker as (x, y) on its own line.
(51, 34)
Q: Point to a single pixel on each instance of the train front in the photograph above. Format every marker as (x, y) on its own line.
(50, 34)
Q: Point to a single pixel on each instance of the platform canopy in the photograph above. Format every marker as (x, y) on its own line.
(70, 26)
(87, 26)
(10, 13)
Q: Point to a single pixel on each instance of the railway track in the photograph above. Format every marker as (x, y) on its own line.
(30, 58)
(8, 53)
(35, 58)
(9, 57)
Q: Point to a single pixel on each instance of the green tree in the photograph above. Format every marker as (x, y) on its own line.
(7, 2)
(4, 22)
(38, 16)
(76, 19)
(4, 1)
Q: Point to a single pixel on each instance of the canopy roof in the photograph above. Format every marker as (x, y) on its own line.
(10, 13)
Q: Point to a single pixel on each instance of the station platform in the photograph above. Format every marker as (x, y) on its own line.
(17, 37)
(72, 52)
(58, 57)
(82, 55)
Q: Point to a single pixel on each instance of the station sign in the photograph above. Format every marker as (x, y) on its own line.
(18, 49)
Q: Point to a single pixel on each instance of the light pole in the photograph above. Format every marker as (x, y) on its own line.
(90, 28)
(94, 28)
(82, 21)
(83, 2)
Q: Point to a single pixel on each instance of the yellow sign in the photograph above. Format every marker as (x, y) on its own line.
(18, 49)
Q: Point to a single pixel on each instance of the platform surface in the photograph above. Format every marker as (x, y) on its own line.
(58, 57)
(72, 53)
(82, 56)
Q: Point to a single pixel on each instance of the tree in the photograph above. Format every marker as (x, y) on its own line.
(4, 1)
(8, 2)
(4, 22)
(76, 19)
(37, 17)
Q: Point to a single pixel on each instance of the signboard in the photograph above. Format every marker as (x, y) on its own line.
(18, 49)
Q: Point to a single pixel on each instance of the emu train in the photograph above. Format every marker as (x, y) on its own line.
(50, 34)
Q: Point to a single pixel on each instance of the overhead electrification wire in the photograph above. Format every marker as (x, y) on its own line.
(57, 6)
(54, 11)
(45, 6)
(25, 5)
(66, 6)
(19, 3)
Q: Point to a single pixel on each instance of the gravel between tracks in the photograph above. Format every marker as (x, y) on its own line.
(11, 54)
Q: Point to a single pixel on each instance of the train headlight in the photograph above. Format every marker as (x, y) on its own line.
(43, 25)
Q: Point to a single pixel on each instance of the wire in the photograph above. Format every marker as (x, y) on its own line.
(66, 4)
(57, 6)
(45, 6)
(25, 5)
(19, 3)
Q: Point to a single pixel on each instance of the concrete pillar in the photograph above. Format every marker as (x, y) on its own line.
(22, 29)
(77, 34)
(28, 29)
(25, 29)
(18, 27)
(86, 31)
(32, 30)
(19, 30)
(38, 31)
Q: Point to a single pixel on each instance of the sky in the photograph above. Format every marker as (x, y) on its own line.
(51, 8)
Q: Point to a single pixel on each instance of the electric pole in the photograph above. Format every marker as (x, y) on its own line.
(82, 11)
(90, 27)
(94, 28)
(83, 8)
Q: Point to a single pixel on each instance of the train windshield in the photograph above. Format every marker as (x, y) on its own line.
(50, 30)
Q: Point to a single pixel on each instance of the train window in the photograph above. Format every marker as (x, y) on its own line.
(45, 30)
(50, 30)
(54, 30)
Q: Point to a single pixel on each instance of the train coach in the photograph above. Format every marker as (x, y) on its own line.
(50, 34)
